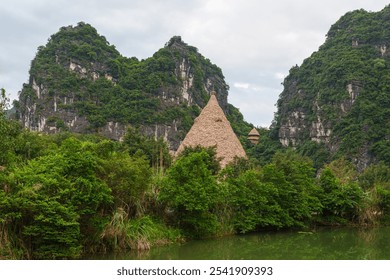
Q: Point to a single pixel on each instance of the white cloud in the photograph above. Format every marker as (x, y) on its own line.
(241, 85)
(280, 76)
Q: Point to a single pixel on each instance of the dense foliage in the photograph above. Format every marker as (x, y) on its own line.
(83, 75)
(191, 191)
(65, 195)
(345, 87)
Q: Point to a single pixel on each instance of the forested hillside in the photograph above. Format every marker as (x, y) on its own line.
(337, 103)
(81, 83)
(68, 188)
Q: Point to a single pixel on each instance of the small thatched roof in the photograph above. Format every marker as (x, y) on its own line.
(254, 132)
(253, 136)
(211, 128)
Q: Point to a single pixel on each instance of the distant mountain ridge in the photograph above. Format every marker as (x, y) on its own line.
(338, 101)
(80, 83)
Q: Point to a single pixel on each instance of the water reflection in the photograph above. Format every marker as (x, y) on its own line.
(321, 244)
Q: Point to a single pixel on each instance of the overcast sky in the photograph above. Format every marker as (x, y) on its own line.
(254, 42)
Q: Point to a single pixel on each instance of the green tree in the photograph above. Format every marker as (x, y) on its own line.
(128, 177)
(156, 151)
(254, 204)
(341, 201)
(54, 200)
(375, 181)
(294, 177)
(263, 152)
(191, 192)
(9, 131)
(4, 101)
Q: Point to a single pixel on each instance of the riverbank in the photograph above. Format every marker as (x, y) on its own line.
(324, 243)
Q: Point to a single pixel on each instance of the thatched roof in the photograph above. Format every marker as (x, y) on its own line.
(254, 132)
(254, 136)
(211, 128)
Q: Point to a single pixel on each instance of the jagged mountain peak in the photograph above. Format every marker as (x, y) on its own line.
(337, 101)
(175, 41)
(361, 26)
(81, 83)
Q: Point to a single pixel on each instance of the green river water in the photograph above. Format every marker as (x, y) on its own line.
(319, 244)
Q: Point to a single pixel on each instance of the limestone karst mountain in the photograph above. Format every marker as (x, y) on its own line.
(80, 83)
(337, 102)
(212, 128)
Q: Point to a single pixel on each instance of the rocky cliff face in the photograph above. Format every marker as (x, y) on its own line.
(338, 97)
(80, 83)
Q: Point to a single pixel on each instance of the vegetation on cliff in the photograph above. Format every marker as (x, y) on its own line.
(79, 74)
(65, 195)
(339, 96)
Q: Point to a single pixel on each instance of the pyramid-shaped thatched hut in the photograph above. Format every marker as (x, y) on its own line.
(211, 128)
(254, 136)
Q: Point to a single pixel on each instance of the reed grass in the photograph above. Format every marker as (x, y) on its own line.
(8, 250)
(139, 234)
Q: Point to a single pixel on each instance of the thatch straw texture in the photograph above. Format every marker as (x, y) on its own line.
(254, 136)
(211, 128)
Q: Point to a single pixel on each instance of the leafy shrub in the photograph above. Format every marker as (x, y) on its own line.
(191, 191)
(51, 201)
(341, 201)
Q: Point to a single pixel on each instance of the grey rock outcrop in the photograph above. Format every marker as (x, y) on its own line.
(58, 96)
